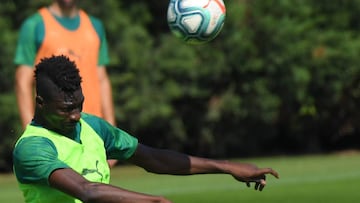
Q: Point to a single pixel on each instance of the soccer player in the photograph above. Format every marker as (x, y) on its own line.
(61, 156)
(63, 28)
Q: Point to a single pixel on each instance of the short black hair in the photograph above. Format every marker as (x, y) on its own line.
(58, 70)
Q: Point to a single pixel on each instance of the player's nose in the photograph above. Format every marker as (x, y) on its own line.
(75, 115)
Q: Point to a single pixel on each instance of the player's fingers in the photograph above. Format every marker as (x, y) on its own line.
(261, 187)
(257, 185)
(269, 171)
(260, 184)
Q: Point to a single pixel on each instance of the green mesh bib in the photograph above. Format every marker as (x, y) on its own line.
(88, 158)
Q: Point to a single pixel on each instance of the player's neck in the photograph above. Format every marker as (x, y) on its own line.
(59, 11)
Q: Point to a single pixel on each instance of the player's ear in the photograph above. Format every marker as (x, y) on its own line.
(39, 101)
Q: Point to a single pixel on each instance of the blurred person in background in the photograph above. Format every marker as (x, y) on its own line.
(64, 28)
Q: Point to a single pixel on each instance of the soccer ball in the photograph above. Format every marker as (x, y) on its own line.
(196, 21)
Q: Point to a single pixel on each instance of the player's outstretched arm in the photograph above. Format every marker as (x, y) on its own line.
(244, 172)
(171, 162)
(73, 184)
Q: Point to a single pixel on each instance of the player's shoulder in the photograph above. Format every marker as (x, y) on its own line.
(95, 19)
(33, 141)
(96, 22)
(92, 120)
(33, 20)
(99, 125)
(32, 144)
(87, 116)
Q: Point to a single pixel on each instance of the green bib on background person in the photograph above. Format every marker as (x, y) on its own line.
(88, 158)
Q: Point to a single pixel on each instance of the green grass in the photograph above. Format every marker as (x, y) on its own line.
(305, 179)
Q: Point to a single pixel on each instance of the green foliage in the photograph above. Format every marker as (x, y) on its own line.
(9, 126)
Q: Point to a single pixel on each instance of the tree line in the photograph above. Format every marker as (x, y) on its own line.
(282, 77)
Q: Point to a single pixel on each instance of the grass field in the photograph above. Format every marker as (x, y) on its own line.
(331, 178)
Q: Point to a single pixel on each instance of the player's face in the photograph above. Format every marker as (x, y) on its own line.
(67, 3)
(62, 112)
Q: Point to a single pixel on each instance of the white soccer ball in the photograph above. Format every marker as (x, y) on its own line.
(196, 21)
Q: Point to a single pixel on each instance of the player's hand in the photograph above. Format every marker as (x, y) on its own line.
(250, 173)
(163, 200)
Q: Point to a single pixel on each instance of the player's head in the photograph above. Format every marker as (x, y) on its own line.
(59, 95)
(56, 74)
